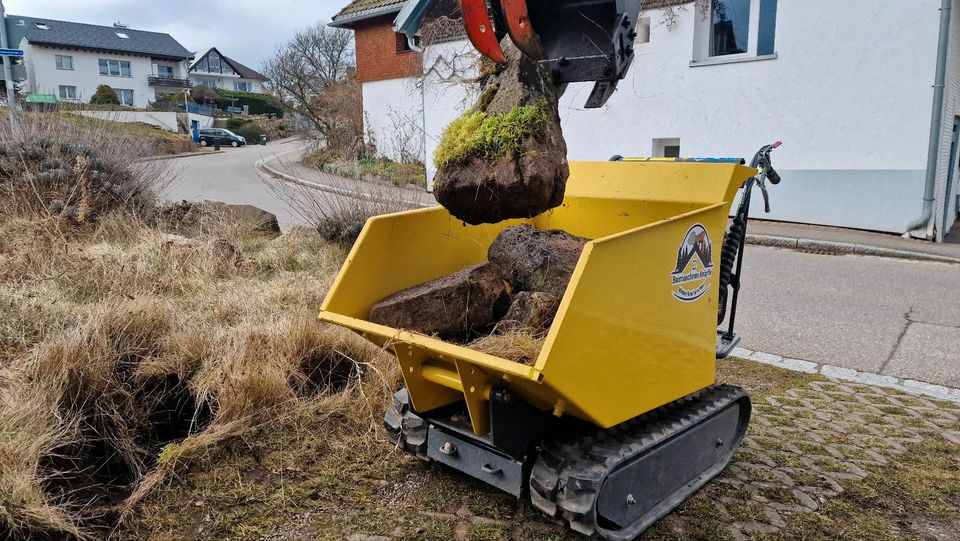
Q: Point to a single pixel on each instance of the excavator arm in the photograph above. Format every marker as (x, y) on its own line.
(574, 40)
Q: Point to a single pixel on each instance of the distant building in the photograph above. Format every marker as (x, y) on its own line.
(70, 60)
(214, 70)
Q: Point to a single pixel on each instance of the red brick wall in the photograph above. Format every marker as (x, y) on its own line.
(377, 56)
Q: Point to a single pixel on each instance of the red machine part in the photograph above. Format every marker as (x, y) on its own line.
(520, 29)
(480, 30)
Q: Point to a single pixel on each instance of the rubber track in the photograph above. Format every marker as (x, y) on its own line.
(566, 478)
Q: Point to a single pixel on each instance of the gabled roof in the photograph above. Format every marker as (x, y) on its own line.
(94, 37)
(359, 10)
(243, 71)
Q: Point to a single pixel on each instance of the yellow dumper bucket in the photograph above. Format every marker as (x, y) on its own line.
(636, 328)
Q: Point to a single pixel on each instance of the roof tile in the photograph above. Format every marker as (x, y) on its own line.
(91, 36)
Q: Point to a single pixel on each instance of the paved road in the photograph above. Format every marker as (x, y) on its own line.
(231, 177)
(887, 316)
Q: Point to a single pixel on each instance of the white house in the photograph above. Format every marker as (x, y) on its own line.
(70, 60)
(848, 86)
(213, 69)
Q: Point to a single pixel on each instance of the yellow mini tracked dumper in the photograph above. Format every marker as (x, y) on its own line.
(620, 419)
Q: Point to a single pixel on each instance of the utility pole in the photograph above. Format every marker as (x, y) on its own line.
(8, 74)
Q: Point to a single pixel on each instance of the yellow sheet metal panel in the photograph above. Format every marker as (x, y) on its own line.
(682, 182)
(627, 338)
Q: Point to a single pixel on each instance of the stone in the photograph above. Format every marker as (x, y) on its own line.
(191, 217)
(524, 182)
(532, 312)
(533, 260)
(452, 308)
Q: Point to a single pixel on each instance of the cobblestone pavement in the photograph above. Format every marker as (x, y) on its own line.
(803, 445)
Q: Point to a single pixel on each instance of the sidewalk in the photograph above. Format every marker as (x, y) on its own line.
(835, 240)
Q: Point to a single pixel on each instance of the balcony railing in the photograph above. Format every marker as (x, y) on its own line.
(173, 82)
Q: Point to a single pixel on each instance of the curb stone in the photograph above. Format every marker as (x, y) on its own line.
(184, 155)
(845, 248)
(261, 165)
(848, 374)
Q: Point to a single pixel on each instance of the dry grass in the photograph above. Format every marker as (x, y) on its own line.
(76, 173)
(126, 357)
(340, 218)
(519, 346)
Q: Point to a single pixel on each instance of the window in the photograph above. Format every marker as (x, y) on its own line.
(42, 26)
(125, 95)
(735, 31)
(767, 27)
(241, 86)
(64, 62)
(206, 82)
(403, 45)
(729, 27)
(214, 60)
(122, 35)
(68, 92)
(668, 147)
(165, 71)
(643, 30)
(114, 68)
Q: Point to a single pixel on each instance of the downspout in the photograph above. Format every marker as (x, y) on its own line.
(936, 124)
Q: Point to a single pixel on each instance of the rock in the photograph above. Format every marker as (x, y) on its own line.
(534, 260)
(479, 188)
(532, 312)
(178, 241)
(452, 307)
(187, 216)
(223, 250)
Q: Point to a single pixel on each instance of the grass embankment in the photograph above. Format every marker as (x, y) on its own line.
(162, 142)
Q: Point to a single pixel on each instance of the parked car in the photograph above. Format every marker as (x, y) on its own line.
(214, 136)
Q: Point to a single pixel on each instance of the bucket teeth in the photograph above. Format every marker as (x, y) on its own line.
(480, 30)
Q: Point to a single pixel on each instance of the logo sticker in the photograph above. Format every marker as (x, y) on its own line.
(690, 278)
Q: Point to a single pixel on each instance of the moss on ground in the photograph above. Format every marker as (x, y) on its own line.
(478, 134)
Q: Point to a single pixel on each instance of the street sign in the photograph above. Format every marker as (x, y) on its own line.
(14, 53)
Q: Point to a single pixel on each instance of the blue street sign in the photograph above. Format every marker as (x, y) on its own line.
(15, 53)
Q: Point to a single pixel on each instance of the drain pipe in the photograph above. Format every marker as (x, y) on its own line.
(936, 123)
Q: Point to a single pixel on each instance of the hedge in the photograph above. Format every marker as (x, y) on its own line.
(260, 104)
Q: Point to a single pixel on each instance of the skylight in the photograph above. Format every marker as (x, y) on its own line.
(42, 26)
(122, 35)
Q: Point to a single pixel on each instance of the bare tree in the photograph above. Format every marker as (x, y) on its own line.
(314, 75)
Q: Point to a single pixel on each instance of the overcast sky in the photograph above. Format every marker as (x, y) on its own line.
(245, 30)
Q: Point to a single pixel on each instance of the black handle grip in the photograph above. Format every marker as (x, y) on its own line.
(773, 176)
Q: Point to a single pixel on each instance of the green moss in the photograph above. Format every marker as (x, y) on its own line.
(169, 453)
(477, 134)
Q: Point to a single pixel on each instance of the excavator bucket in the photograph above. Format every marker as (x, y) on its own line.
(578, 40)
(574, 40)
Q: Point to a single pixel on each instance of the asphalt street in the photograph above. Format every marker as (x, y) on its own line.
(886, 316)
(231, 177)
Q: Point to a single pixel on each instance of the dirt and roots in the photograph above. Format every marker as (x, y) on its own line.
(504, 307)
(505, 157)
